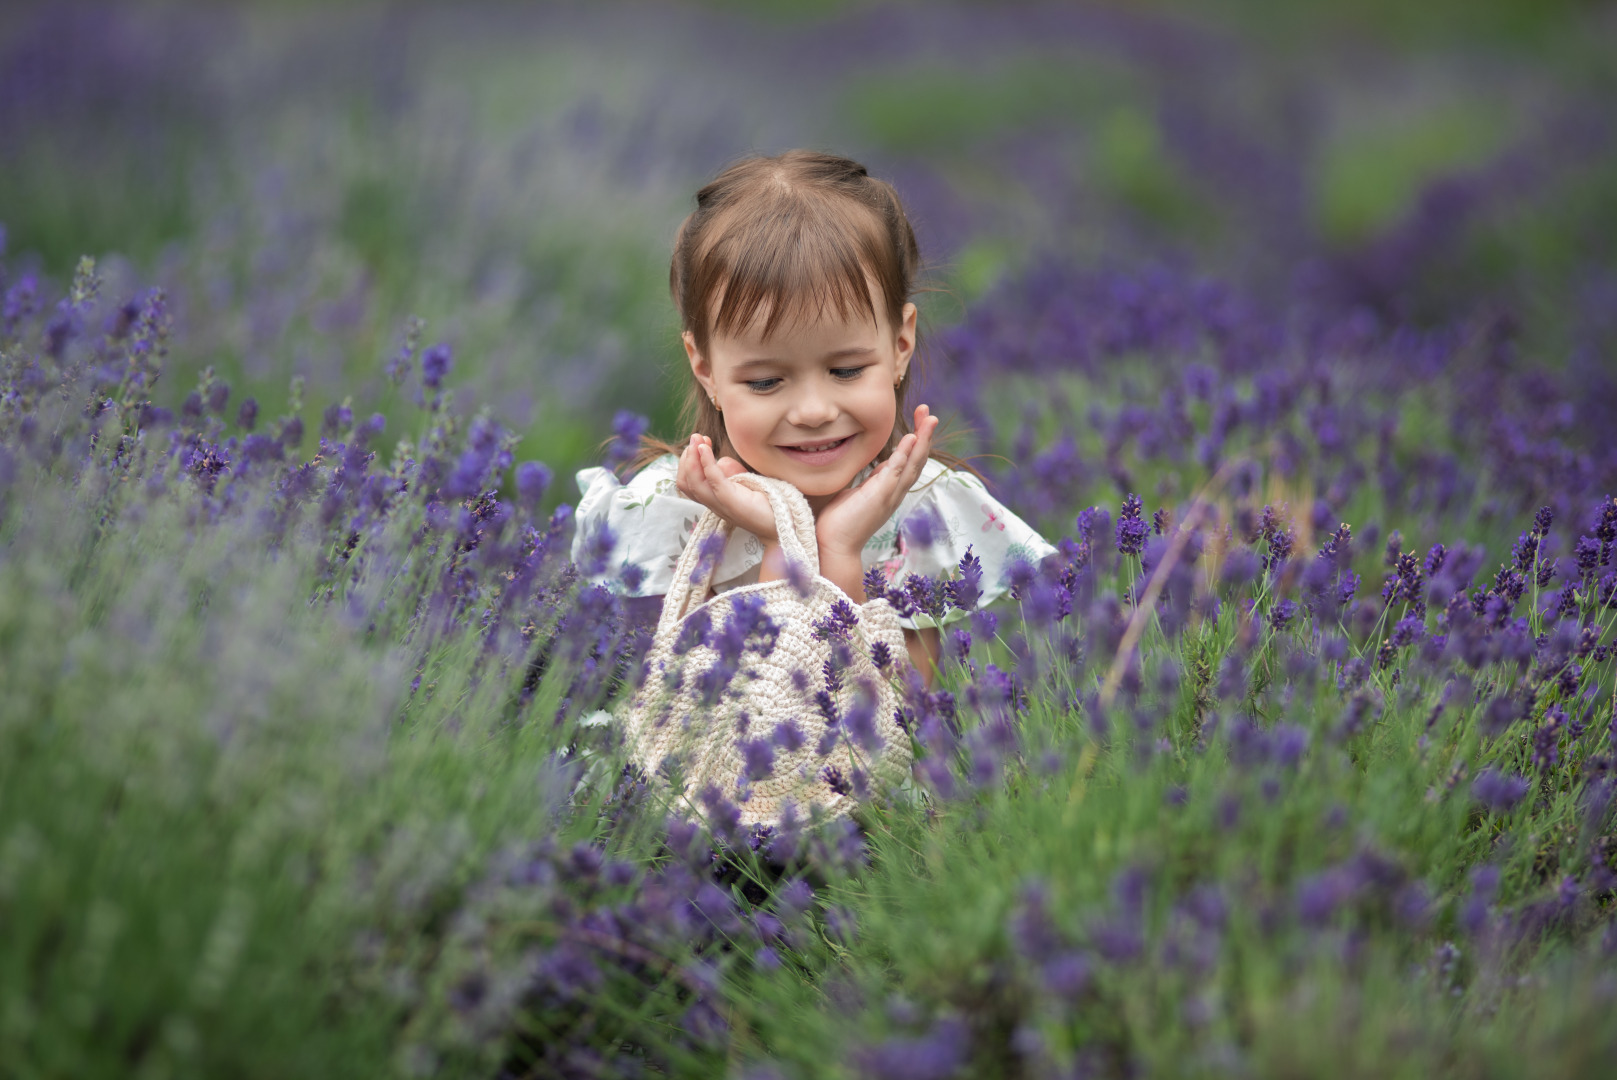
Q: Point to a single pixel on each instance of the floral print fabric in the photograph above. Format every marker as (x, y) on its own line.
(947, 511)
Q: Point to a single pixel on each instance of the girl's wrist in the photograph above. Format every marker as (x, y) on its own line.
(846, 572)
(837, 546)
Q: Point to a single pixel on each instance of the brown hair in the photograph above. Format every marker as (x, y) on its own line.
(794, 235)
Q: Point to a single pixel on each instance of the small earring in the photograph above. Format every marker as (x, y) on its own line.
(715, 400)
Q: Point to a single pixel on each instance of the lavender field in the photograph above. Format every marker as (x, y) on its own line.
(1295, 328)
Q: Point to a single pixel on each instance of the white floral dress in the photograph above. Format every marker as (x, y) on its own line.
(651, 522)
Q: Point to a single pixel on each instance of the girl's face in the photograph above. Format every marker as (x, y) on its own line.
(814, 403)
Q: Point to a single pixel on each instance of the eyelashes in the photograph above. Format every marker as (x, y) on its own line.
(842, 374)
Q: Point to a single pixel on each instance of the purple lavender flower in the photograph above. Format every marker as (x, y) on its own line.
(1435, 559)
(833, 778)
(860, 723)
(218, 396)
(875, 583)
(922, 525)
(1240, 568)
(788, 736)
(1281, 614)
(533, 480)
(1092, 525)
(627, 428)
(1587, 556)
(757, 758)
(837, 624)
(1524, 552)
(707, 557)
(1279, 543)
(1131, 529)
(925, 595)
(937, 1055)
(435, 365)
(967, 588)
(960, 644)
(1499, 791)
(1547, 745)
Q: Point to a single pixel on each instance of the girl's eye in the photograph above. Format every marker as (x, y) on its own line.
(762, 385)
(847, 374)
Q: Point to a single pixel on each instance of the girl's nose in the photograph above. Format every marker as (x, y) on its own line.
(812, 407)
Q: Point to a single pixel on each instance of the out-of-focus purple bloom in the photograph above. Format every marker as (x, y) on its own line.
(1067, 974)
(860, 722)
(1093, 525)
(435, 365)
(533, 480)
(707, 557)
(1408, 631)
(1547, 743)
(922, 526)
(1241, 567)
(937, 1055)
(1499, 791)
(627, 428)
(758, 758)
(788, 736)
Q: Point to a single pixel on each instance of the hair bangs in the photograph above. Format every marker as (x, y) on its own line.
(782, 266)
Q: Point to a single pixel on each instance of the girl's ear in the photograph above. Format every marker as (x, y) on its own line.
(699, 363)
(904, 339)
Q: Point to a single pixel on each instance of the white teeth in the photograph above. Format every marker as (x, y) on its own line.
(810, 448)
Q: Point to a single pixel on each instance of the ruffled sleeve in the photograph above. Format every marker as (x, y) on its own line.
(649, 521)
(948, 511)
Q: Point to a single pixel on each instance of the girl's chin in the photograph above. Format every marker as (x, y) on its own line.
(819, 485)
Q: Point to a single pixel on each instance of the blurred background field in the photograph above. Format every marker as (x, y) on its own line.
(295, 774)
(302, 178)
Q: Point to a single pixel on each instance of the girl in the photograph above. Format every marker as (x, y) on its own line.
(793, 280)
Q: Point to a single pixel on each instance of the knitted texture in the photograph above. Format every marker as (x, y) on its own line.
(769, 692)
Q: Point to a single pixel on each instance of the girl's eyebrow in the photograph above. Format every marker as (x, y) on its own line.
(838, 354)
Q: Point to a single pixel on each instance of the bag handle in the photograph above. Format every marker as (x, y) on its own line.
(794, 525)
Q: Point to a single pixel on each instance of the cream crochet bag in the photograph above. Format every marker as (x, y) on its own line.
(673, 725)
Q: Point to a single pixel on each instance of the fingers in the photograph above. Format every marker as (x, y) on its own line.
(909, 457)
(925, 425)
(710, 483)
(691, 479)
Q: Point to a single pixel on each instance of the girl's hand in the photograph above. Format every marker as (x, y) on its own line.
(707, 480)
(847, 521)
